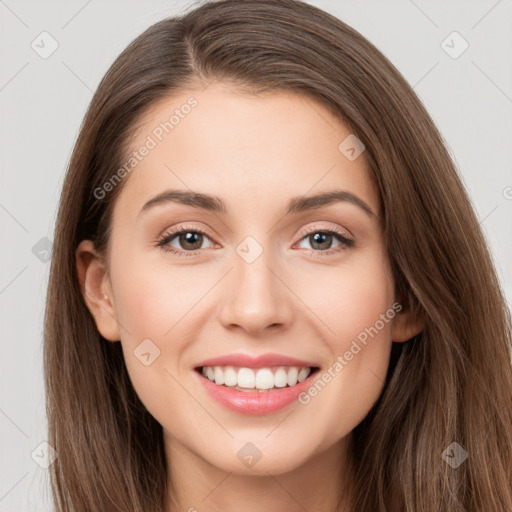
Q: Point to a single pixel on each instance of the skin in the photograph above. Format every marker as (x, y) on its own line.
(254, 152)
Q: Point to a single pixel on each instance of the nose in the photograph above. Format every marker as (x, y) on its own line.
(256, 298)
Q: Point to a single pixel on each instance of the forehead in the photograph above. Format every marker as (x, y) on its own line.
(246, 148)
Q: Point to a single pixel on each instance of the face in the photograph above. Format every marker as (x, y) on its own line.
(252, 286)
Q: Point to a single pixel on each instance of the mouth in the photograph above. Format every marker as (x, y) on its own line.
(255, 385)
(257, 380)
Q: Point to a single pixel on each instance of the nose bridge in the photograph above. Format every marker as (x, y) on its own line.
(256, 297)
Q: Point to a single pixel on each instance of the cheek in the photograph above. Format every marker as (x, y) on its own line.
(349, 300)
(363, 330)
(152, 300)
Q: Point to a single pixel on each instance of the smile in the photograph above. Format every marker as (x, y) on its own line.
(255, 391)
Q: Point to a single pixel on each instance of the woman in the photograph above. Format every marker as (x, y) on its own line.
(335, 337)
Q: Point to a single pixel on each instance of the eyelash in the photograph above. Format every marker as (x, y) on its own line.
(163, 242)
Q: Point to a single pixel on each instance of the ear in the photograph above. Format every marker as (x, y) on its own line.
(97, 290)
(406, 325)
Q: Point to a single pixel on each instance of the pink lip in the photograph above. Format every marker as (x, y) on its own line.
(262, 361)
(254, 402)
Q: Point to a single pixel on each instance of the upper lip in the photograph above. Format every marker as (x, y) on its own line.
(261, 361)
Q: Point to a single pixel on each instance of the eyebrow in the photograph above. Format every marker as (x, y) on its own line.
(216, 204)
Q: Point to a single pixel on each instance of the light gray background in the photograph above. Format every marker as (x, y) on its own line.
(43, 101)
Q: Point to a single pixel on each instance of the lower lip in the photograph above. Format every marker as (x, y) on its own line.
(254, 402)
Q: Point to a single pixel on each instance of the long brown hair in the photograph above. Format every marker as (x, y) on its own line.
(449, 384)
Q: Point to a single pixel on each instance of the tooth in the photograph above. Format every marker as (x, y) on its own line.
(246, 378)
(264, 379)
(280, 378)
(230, 376)
(293, 373)
(303, 374)
(210, 373)
(219, 375)
(204, 371)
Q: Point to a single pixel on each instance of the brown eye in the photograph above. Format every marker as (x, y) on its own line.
(321, 242)
(183, 241)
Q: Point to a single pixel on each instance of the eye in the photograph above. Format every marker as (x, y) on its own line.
(321, 241)
(190, 239)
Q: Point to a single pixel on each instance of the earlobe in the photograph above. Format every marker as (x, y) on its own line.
(406, 326)
(96, 290)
